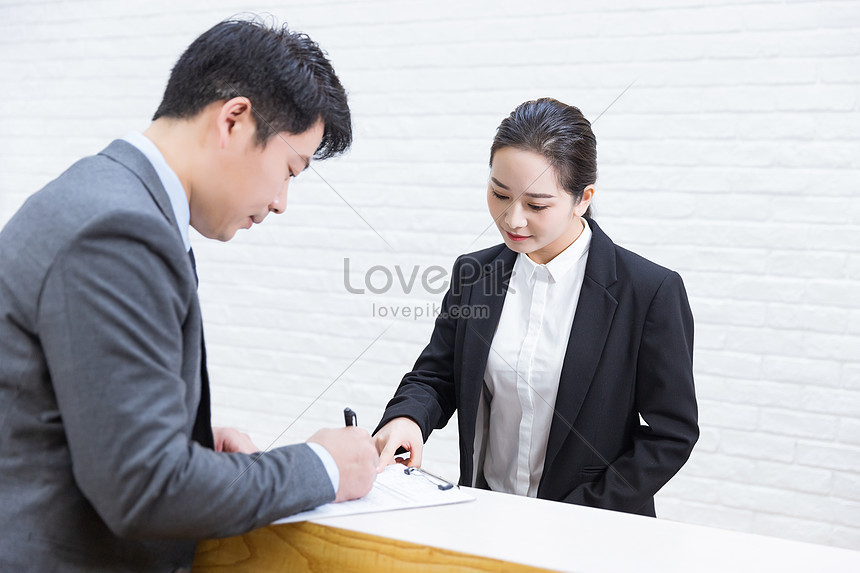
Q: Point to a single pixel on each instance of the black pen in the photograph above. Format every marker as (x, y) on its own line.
(350, 418)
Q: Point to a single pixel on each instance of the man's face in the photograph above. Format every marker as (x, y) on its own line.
(243, 182)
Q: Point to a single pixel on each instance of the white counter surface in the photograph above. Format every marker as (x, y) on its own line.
(566, 537)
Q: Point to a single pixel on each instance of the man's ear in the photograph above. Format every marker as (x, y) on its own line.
(587, 196)
(235, 118)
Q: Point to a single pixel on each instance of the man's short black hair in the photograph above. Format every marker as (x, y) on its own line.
(286, 76)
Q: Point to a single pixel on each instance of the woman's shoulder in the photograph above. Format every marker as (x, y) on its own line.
(646, 277)
(630, 265)
(472, 266)
(485, 256)
(640, 266)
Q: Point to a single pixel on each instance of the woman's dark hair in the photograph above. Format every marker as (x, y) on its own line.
(286, 76)
(561, 134)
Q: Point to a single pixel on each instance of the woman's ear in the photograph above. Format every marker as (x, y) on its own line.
(585, 201)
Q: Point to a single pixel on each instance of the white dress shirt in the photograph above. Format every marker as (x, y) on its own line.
(182, 212)
(169, 180)
(524, 366)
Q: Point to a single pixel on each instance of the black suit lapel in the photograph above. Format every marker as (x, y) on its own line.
(487, 294)
(594, 313)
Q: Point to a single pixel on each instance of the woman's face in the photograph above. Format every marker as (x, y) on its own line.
(534, 214)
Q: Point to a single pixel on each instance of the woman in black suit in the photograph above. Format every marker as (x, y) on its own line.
(552, 345)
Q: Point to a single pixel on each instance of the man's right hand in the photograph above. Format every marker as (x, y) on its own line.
(356, 458)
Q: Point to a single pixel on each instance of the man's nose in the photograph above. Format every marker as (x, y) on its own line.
(279, 203)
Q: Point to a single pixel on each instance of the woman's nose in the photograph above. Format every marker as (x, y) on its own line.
(515, 218)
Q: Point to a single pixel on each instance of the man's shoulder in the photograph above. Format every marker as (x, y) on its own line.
(96, 196)
(97, 178)
(91, 188)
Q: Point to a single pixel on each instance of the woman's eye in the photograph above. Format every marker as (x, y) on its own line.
(538, 207)
(497, 196)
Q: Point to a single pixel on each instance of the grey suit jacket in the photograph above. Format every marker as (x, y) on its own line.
(100, 339)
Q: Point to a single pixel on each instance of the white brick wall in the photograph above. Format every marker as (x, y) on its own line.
(733, 158)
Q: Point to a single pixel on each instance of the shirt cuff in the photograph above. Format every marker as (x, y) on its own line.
(328, 462)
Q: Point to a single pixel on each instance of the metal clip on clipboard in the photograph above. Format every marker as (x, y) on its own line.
(434, 479)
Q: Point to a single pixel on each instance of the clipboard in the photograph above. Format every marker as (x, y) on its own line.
(396, 487)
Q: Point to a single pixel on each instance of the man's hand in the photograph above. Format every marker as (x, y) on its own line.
(231, 440)
(356, 458)
(396, 433)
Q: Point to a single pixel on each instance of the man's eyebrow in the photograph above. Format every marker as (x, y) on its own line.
(535, 195)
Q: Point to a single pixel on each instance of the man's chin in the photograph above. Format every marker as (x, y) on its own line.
(222, 236)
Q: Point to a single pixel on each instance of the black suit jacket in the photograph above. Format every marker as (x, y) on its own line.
(630, 352)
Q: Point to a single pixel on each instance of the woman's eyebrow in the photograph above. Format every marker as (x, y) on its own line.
(500, 184)
(534, 195)
(540, 195)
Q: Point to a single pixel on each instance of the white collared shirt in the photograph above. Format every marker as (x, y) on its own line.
(169, 180)
(524, 366)
(182, 211)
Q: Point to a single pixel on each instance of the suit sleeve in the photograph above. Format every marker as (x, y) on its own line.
(666, 400)
(110, 319)
(427, 394)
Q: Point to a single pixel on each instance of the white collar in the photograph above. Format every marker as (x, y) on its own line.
(559, 266)
(169, 179)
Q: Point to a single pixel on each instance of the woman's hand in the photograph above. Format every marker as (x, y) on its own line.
(396, 433)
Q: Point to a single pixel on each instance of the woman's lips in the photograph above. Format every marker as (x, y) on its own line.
(514, 237)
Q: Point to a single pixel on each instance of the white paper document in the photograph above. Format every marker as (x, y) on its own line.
(393, 489)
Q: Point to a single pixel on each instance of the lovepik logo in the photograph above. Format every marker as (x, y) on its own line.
(379, 279)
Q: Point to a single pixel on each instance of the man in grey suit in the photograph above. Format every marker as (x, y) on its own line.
(107, 458)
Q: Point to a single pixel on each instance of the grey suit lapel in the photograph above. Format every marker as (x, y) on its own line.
(135, 161)
(594, 313)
